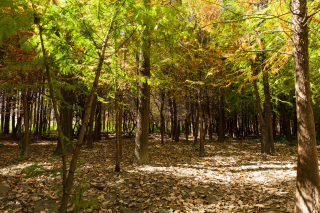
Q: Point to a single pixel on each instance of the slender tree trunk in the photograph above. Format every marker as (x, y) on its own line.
(90, 134)
(265, 145)
(42, 112)
(235, 126)
(187, 119)
(274, 124)
(195, 123)
(172, 129)
(7, 116)
(97, 126)
(268, 115)
(104, 120)
(26, 138)
(286, 121)
(308, 182)
(162, 121)
(3, 110)
(118, 130)
(13, 114)
(175, 120)
(120, 121)
(201, 154)
(37, 116)
(221, 136)
(209, 116)
(31, 106)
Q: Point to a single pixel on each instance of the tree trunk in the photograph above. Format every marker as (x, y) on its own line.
(201, 154)
(120, 121)
(209, 116)
(274, 125)
(195, 123)
(26, 138)
(141, 154)
(104, 120)
(42, 112)
(66, 118)
(286, 121)
(221, 136)
(162, 121)
(37, 116)
(175, 121)
(13, 115)
(235, 126)
(308, 182)
(3, 111)
(97, 126)
(7, 116)
(187, 119)
(172, 129)
(90, 134)
(265, 145)
(118, 130)
(268, 115)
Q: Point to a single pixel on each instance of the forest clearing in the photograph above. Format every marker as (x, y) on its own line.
(234, 177)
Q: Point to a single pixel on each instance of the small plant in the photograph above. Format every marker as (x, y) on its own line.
(21, 158)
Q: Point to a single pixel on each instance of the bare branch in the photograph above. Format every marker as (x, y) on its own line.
(268, 51)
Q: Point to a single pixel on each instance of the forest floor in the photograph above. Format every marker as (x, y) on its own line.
(233, 177)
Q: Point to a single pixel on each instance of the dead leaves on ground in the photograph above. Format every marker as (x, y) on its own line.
(233, 177)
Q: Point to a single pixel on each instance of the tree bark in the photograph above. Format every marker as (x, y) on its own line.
(141, 154)
(66, 118)
(265, 145)
(308, 182)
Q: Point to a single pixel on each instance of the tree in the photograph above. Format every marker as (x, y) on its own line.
(308, 182)
(141, 155)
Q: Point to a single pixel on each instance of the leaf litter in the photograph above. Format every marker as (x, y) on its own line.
(233, 177)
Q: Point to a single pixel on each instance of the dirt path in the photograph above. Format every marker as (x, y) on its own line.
(233, 177)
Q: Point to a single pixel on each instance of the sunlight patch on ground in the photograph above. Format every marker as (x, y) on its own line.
(44, 143)
(16, 169)
(261, 176)
(13, 169)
